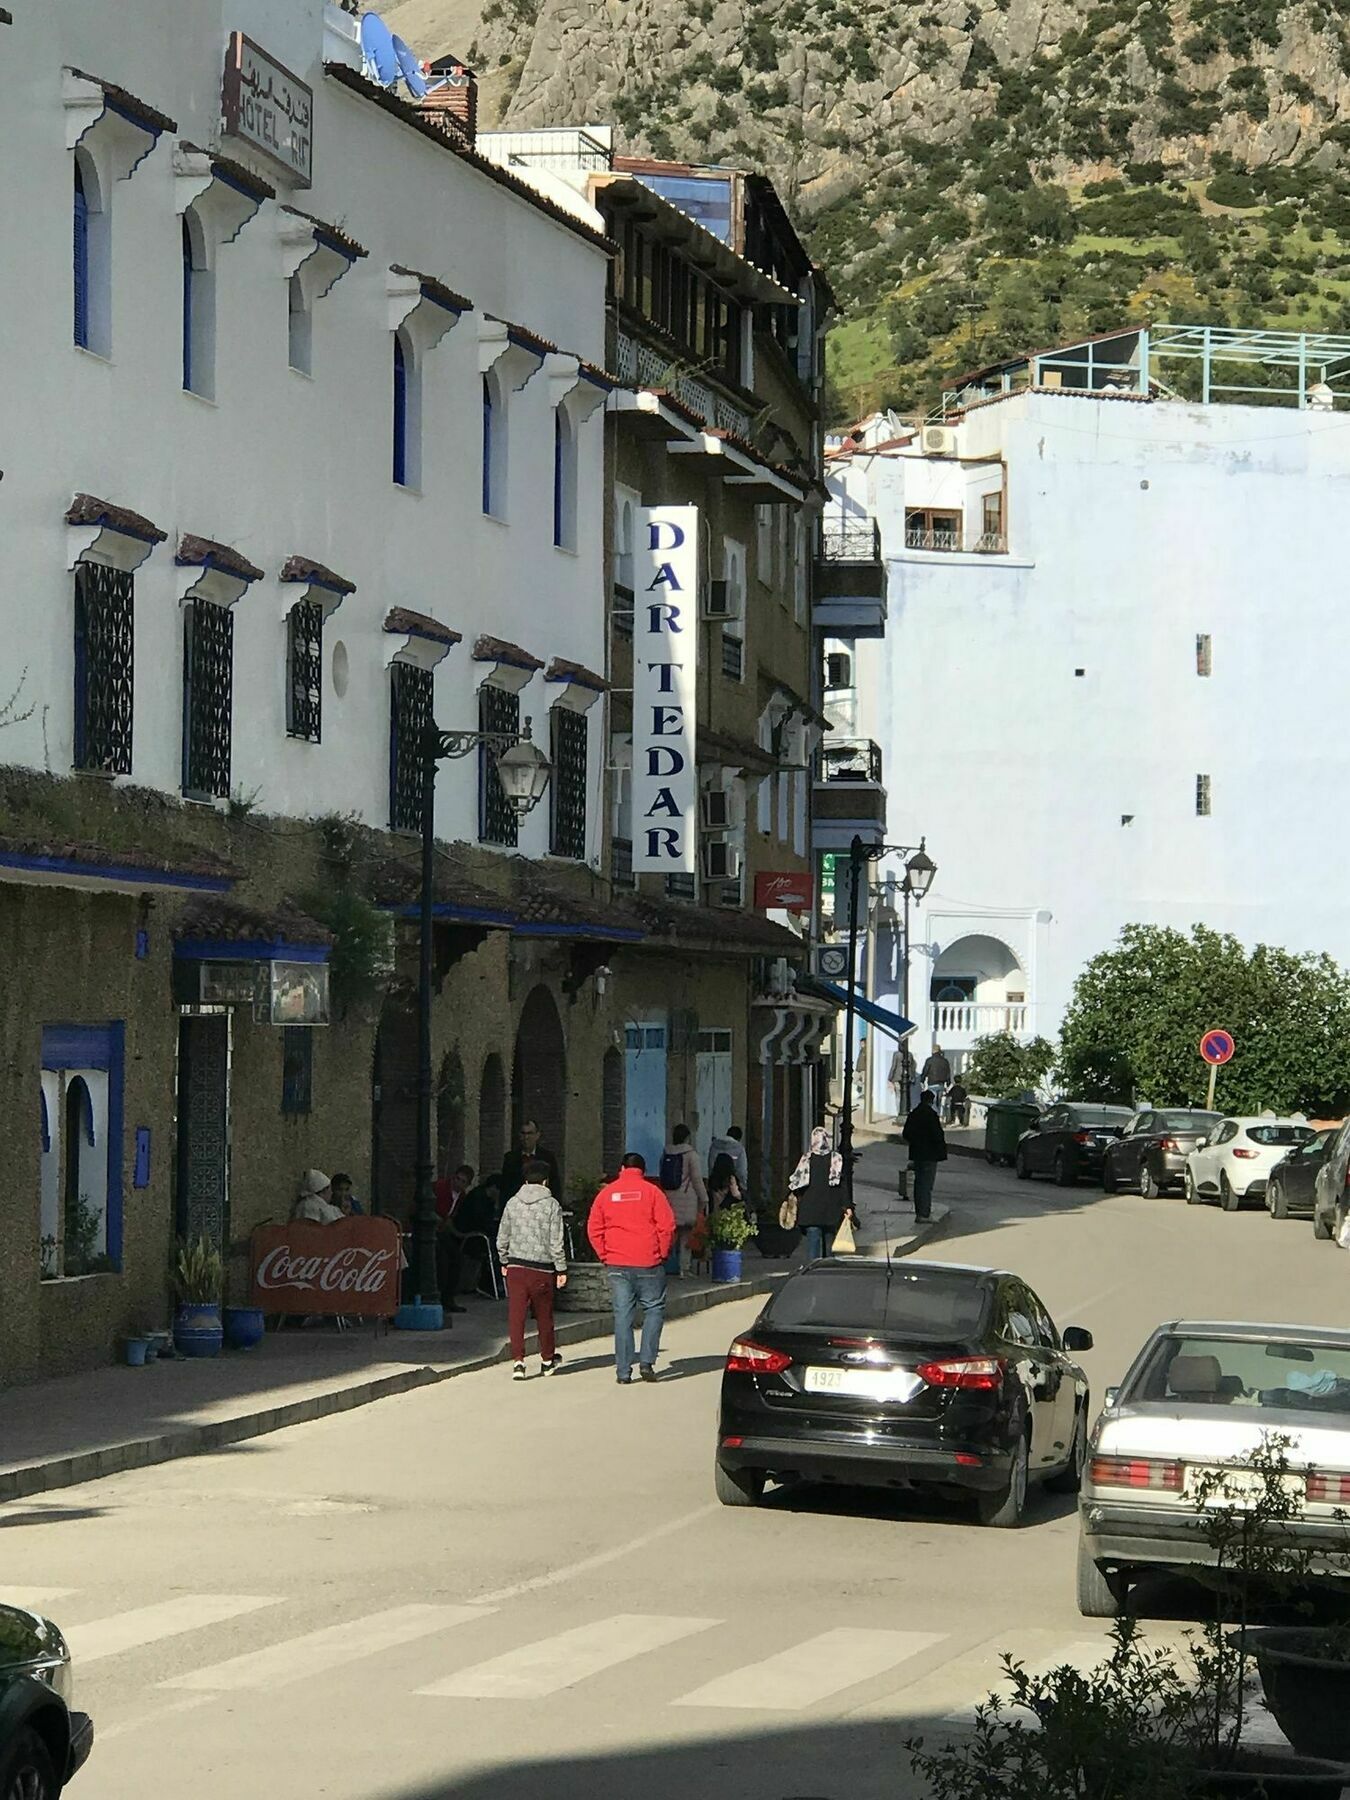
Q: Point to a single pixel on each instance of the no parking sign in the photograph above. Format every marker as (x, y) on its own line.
(1216, 1047)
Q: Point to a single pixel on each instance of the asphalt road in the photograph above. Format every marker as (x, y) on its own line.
(492, 1591)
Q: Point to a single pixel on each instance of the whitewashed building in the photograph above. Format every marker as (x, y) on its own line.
(1110, 680)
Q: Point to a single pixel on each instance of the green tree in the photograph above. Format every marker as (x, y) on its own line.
(1001, 1068)
(1139, 1010)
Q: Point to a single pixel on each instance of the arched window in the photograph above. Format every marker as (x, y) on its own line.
(400, 413)
(407, 414)
(488, 423)
(189, 295)
(199, 313)
(81, 259)
(564, 481)
(299, 328)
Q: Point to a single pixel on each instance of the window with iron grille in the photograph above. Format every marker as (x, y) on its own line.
(681, 887)
(567, 832)
(104, 634)
(498, 710)
(304, 671)
(733, 655)
(80, 258)
(410, 690)
(297, 1068)
(1202, 796)
(208, 679)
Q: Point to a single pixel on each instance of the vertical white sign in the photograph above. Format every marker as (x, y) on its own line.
(665, 690)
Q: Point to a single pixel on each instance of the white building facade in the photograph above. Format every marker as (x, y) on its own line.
(1113, 661)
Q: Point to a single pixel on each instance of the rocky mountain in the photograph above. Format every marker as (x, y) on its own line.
(977, 176)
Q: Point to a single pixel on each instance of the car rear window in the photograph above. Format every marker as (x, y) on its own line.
(1099, 1115)
(1280, 1134)
(942, 1308)
(1258, 1373)
(1190, 1121)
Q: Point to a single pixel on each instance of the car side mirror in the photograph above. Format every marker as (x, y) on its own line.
(1200, 1143)
(1076, 1338)
(1112, 1395)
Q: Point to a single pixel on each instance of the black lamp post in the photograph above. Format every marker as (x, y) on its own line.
(523, 770)
(919, 873)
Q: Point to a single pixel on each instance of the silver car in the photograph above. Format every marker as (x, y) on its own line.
(1198, 1399)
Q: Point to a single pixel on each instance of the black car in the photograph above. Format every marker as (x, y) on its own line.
(42, 1742)
(1151, 1152)
(1291, 1188)
(932, 1376)
(1069, 1141)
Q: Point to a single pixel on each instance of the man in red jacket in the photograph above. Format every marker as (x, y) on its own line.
(631, 1228)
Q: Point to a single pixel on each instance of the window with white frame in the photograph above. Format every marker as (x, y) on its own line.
(407, 411)
(199, 310)
(764, 545)
(733, 624)
(91, 258)
(564, 480)
(299, 327)
(494, 446)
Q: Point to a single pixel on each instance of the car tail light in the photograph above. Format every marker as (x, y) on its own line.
(984, 1372)
(1334, 1489)
(1137, 1472)
(1246, 1153)
(732, 1443)
(746, 1357)
(1170, 1144)
(1083, 1137)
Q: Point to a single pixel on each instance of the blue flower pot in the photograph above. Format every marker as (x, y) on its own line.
(134, 1350)
(243, 1326)
(726, 1265)
(197, 1330)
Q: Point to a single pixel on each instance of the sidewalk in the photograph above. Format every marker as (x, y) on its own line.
(74, 1428)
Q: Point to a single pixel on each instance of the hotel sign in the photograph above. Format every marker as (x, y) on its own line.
(665, 704)
(266, 106)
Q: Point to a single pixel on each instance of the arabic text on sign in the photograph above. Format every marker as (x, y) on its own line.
(268, 107)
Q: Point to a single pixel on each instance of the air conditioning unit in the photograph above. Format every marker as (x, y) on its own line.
(939, 440)
(716, 807)
(838, 670)
(721, 860)
(717, 601)
(779, 976)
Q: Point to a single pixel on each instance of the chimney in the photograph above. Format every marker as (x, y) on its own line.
(453, 107)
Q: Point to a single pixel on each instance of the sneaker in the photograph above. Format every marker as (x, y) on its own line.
(550, 1368)
(647, 1372)
(518, 1372)
(624, 1380)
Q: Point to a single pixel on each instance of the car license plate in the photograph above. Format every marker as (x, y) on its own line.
(864, 1384)
(1235, 1487)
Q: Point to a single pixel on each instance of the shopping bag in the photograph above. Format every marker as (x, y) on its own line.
(787, 1214)
(844, 1244)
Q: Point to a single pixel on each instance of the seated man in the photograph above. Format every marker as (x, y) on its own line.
(468, 1232)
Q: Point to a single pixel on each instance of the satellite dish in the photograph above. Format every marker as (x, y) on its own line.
(377, 46)
(412, 73)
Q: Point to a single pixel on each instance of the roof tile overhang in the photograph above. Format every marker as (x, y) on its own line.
(87, 509)
(400, 622)
(339, 240)
(396, 886)
(64, 863)
(548, 906)
(314, 574)
(435, 290)
(140, 112)
(731, 271)
(729, 930)
(204, 553)
(500, 650)
(577, 674)
(225, 931)
(237, 174)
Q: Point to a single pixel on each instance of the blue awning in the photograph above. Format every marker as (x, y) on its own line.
(892, 1023)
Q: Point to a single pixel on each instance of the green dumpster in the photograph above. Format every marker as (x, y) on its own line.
(1004, 1123)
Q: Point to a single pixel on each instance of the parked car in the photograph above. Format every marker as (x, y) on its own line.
(1151, 1152)
(1292, 1184)
(42, 1742)
(1331, 1200)
(1069, 1140)
(1234, 1162)
(1197, 1399)
(935, 1376)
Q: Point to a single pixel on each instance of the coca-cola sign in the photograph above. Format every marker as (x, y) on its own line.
(352, 1267)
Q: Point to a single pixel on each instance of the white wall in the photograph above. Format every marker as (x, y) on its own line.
(1132, 528)
(280, 463)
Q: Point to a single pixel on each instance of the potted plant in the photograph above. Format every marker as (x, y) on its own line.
(197, 1274)
(728, 1233)
(587, 1287)
(244, 1325)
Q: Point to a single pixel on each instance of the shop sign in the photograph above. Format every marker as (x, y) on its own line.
(665, 692)
(789, 890)
(266, 106)
(352, 1267)
(294, 993)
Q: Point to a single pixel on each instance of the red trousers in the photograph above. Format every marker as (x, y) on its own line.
(530, 1291)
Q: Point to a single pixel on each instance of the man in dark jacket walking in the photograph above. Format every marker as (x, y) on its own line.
(631, 1228)
(927, 1148)
(936, 1073)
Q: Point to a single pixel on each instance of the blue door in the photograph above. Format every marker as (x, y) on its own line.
(645, 1092)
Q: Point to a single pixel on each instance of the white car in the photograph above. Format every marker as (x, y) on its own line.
(1234, 1162)
(1197, 1400)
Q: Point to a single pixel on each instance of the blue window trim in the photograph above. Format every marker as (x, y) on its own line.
(187, 307)
(559, 452)
(446, 909)
(117, 874)
(400, 413)
(80, 258)
(140, 1177)
(248, 950)
(488, 408)
(97, 1047)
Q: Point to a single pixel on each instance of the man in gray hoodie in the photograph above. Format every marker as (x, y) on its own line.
(530, 1245)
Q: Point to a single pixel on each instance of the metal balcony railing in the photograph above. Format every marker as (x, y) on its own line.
(644, 366)
(992, 543)
(850, 540)
(851, 759)
(954, 1019)
(733, 656)
(916, 539)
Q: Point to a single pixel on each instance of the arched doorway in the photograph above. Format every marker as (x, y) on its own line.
(450, 1114)
(539, 1073)
(612, 1146)
(394, 1108)
(491, 1116)
(978, 986)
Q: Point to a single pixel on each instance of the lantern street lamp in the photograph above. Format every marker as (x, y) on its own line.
(524, 771)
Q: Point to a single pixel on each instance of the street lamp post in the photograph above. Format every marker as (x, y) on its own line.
(523, 770)
(919, 873)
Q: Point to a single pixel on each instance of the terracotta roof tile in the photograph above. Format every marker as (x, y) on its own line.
(726, 928)
(436, 290)
(498, 650)
(231, 922)
(340, 238)
(562, 670)
(300, 568)
(192, 860)
(404, 623)
(237, 172)
(197, 552)
(398, 885)
(86, 509)
(542, 346)
(543, 898)
(139, 110)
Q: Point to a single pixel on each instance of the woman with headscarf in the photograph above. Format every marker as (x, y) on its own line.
(314, 1201)
(817, 1181)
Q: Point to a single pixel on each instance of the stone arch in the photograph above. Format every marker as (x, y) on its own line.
(491, 1115)
(450, 1120)
(983, 957)
(612, 1146)
(539, 1072)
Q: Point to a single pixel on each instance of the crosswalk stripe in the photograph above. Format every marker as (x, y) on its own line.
(35, 1599)
(148, 1624)
(300, 1658)
(546, 1667)
(813, 1670)
(1084, 1654)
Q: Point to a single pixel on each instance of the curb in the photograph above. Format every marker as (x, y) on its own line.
(198, 1440)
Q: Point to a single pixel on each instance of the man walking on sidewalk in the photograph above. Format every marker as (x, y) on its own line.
(530, 1244)
(936, 1073)
(927, 1148)
(631, 1228)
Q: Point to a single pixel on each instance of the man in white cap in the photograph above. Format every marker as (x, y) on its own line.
(315, 1199)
